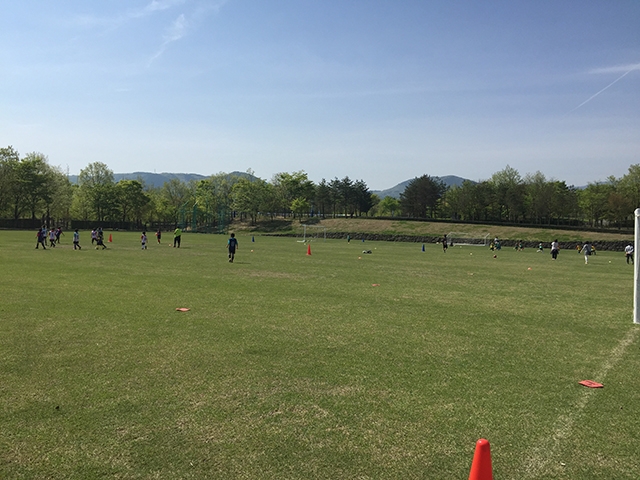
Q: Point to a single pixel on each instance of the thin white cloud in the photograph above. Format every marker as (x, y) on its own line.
(155, 6)
(177, 29)
(91, 21)
(181, 25)
(175, 32)
(617, 69)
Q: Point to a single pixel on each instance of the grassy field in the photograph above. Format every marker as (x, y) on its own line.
(338, 365)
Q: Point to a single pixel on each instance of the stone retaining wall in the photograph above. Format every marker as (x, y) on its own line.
(610, 245)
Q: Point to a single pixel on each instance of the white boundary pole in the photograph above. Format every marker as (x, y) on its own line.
(636, 267)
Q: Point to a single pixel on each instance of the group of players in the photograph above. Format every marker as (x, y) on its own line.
(232, 243)
(97, 237)
(52, 235)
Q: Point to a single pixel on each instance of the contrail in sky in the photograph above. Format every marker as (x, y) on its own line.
(635, 67)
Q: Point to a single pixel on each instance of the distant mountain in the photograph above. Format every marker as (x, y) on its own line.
(158, 179)
(449, 181)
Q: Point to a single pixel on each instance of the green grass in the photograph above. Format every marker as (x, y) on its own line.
(295, 366)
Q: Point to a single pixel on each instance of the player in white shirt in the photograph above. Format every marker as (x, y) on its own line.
(628, 252)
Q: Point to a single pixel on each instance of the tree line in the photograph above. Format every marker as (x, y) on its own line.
(507, 197)
(30, 188)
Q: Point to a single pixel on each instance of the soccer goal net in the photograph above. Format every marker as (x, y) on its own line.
(472, 239)
(308, 233)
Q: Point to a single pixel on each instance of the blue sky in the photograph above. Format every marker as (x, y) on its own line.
(382, 91)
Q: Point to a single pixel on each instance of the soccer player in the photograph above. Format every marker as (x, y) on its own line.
(76, 240)
(42, 238)
(100, 243)
(176, 237)
(52, 238)
(555, 248)
(159, 235)
(586, 250)
(143, 240)
(628, 252)
(232, 246)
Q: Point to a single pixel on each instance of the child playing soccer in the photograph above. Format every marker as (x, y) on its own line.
(52, 238)
(42, 238)
(586, 249)
(76, 240)
(143, 239)
(232, 246)
(100, 243)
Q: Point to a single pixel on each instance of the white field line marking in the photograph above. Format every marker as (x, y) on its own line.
(544, 454)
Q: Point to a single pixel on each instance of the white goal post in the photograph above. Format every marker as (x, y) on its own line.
(471, 239)
(636, 267)
(308, 233)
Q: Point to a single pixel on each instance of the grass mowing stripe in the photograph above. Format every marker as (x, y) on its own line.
(538, 465)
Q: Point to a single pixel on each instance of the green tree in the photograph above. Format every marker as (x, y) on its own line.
(96, 191)
(249, 197)
(619, 208)
(300, 206)
(509, 194)
(335, 196)
(421, 196)
(389, 207)
(538, 197)
(289, 186)
(629, 186)
(363, 199)
(466, 201)
(36, 179)
(30, 184)
(131, 200)
(347, 196)
(593, 201)
(564, 202)
(375, 202)
(173, 198)
(10, 192)
(322, 200)
(270, 202)
(59, 208)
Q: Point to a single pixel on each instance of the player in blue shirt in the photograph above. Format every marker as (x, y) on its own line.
(232, 246)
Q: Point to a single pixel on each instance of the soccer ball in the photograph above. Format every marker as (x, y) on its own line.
(96, 248)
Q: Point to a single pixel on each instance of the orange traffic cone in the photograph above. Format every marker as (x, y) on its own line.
(110, 238)
(481, 466)
(308, 249)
